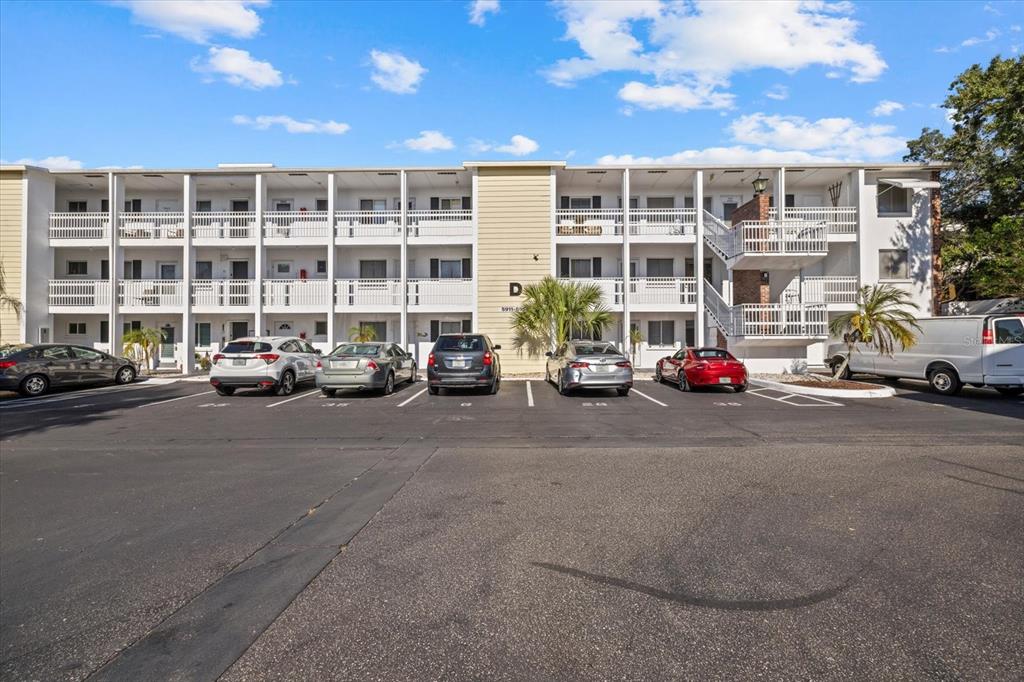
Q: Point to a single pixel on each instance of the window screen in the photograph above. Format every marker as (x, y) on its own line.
(661, 332)
(892, 264)
(892, 199)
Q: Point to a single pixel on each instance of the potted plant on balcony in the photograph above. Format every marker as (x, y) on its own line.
(882, 319)
(555, 312)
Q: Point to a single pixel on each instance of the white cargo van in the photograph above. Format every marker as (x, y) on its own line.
(979, 350)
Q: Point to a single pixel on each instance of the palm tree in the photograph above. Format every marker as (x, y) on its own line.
(7, 300)
(882, 320)
(362, 333)
(555, 312)
(141, 344)
(635, 339)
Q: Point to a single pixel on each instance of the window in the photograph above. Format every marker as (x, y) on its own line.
(104, 331)
(438, 327)
(204, 206)
(373, 269)
(203, 334)
(373, 204)
(87, 353)
(581, 202)
(239, 205)
(247, 347)
(580, 267)
(133, 205)
(892, 200)
(282, 204)
(708, 203)
(105, 205)
(660, 202)
(132, 326)
(133, 269)
(321, 267)
(321, 204)
(691, 333)
(460, 343)
(595, 349)
(634, 202)
(712, 354)
(729, 204)
(661, 332)
(56, 353)
(451, 203)
(451, 269)
(1010, 330)
(77, 207)
(370, 349)
(76, 328)
(204, 269)
(892, 264)
(380, 329)
(320, 328)
(168, 270)
(659, 267)
(283, 267)
(78, 267)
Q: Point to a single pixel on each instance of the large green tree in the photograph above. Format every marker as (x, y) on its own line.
(983, 187)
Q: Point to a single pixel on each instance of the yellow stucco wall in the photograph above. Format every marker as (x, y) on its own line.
(11, 198)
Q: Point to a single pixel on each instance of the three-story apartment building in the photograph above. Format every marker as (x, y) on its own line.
(754, 258)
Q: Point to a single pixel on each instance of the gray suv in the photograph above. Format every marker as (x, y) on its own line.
(463, 361)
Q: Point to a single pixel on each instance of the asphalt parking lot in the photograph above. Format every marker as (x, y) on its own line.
(160, 531)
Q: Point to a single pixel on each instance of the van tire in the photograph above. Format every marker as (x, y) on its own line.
(1010, 391)
(433, 390)
(945, 380)
(834, 364)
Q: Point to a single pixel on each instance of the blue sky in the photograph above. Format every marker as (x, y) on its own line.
(193, 84)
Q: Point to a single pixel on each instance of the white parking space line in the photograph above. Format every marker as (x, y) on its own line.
(529, 395)
(412, 398)
(759, 392)
(644, 395)
(171, 400)
(297, 397)
(59, 398)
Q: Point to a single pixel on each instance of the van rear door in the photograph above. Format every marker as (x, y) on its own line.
(1004, 356)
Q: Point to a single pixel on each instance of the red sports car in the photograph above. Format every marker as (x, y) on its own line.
(702, 367)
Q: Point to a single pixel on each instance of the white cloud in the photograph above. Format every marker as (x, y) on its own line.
(718, 155)
(887, 107)
(394, 72)
(678, 97)
(238, 68)
(708, 41)
(832, 137)
(992, 10)
(479, 9)
(198, 20)
(989, 36)
(291, 125)
(518, 145)
(777, 92)
(51, 162)
(429, 141)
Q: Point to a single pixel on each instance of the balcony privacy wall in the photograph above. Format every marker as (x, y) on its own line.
(11, 193)
(514, 225)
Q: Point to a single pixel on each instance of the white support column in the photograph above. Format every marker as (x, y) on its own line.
(403, 265)
(700, 318)
(625, 261)
(115, 201)
(476, 251)
(331, 256)
(554, 222)
(780, 193)
(261, 200)
(188, 335)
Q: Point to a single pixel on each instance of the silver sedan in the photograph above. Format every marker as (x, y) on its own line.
(374, 366)
(589, 364)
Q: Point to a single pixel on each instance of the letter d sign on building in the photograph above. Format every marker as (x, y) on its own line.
(515, 288)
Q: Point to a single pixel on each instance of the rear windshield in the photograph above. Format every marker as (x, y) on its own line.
(1010, 330)
(8, 351)
(712, 353)
(247, 347)
(461, 343)
(595, 349)
(357, 349)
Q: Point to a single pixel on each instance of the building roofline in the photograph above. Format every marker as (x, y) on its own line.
(755, 166)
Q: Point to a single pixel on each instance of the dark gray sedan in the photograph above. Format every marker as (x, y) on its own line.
(589, 364)
(33, 370)
(377, 366)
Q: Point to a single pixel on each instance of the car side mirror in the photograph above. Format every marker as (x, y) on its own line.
(498, 347)
(318, 351)
(550, 354)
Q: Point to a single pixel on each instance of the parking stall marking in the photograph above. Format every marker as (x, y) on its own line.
(18, 403)
(297, 397)
(412, 398)
(171, 400)
(786, 397)
(529, 394)
(653, 400)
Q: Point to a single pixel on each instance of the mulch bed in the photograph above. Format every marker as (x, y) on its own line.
(838, 383)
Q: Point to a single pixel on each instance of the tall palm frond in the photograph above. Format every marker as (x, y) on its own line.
(883, 319)
(362, 334)
(555, 312)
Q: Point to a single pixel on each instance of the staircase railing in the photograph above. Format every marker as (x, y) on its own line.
(720, 237)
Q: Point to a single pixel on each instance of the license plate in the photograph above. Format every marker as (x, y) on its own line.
(344, 364)
(238, 362)
(460, 364)
(603, 368)
(724, 380)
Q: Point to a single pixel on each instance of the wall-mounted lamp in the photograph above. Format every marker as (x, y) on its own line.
(760, 184)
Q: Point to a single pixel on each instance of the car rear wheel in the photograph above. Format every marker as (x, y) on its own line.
(623, 390)
(495, 385)
(1010, 391)
(562, 388)
(329, 392)
(389, 384)
(684, 385)
(740, 388)
(945, 381)
(34, 385)
(434, 390)
(657, 374)
(287, 383)
(125, 375)
(412, 377)
(225, 390)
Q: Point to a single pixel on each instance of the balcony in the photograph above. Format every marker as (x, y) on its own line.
(151, 228)
(295, 227)
(611, 289)
(312, 295)
(767, 324)
(766, 244)
(840, 221)
(588, 225)
(79, 296)
(657, 224)
(368, 294)
(223, 295)
(440, 226)
(663, 293)
(839, 293)
(216, 227)
(86, 229)
(141, 295)
(368, 227)
(439, 295)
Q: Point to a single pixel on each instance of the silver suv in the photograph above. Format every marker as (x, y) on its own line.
(271, 363)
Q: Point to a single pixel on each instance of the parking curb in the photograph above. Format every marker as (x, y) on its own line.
(879, 392)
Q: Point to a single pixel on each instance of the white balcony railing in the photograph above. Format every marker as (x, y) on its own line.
(79, 293)
(662, 221)
(611, 287)
(295, 224)
(771, 320)
(297, 292)
(356, 224)
(224, 225)
(157, 225)
(835, 289)
(837, 219)
(588, 222)
(224, 293)
(663, 290)
(368, 292)
(144, 293)
(441, 292)
(79, 225)
(441, 223)
(762, 238)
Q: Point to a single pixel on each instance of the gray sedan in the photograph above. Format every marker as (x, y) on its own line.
(589, 364)
(33, 370)
(375, 366)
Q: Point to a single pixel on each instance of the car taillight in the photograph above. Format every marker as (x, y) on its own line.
(987, 339)
(701, 365)
(217, 357)
(269, 358)
(7, 364)
(624, 363)
(319, 365)
(430, 360)
(579, 365)
(487, 358)
(372, 365)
